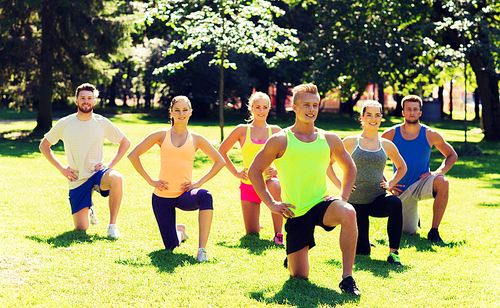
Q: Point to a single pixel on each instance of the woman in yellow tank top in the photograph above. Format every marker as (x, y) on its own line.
(252, 138)
(174, 187)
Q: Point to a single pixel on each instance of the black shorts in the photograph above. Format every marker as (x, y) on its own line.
(300, 230)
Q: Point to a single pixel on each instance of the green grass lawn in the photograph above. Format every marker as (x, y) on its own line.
(44, 263)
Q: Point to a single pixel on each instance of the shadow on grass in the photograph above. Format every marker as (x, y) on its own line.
(423, 244)
(68, 239)
(379, 268)
(302, 293)
(167, 261)
(253, 244)
(19, 143)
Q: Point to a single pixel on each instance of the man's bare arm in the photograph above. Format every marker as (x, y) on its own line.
(273, 149)
(342, 157)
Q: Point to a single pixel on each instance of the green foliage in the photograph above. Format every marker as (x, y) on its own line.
(356, 43)
(216, 27)
(49, 47)
(472, 29)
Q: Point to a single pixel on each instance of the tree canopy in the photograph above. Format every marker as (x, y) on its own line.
(48, 47)
(220, 26)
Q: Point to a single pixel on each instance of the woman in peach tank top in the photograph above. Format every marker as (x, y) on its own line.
(252, 138)
(174, 187)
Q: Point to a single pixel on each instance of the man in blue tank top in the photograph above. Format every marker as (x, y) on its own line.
(414, 142)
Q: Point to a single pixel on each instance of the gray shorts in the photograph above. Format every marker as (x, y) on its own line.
(422, 189)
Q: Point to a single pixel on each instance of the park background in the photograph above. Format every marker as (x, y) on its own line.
(141, 54)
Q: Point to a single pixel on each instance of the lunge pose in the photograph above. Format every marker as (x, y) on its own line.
(252, 138)
(175, 188)
(415, 141)
(370, 153)
(302, 154)
(83, 134)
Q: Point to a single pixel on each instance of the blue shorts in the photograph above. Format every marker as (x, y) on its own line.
(81, 197)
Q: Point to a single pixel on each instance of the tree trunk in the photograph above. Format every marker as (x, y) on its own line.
(281, 94)
(441, 101)
(477, 101)
(221, 96)
(112, 92)
(398, 111)
(44, 117)
(487, 82)
(451, 100)
(381, 96)
(147, 95)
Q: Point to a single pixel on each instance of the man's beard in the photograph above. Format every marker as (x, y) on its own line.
(87, 110)
(412, 121)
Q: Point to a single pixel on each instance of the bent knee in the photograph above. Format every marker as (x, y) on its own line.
(349, 210)
(114, 178)
(441, 182)
(347, 213)
(206, 200)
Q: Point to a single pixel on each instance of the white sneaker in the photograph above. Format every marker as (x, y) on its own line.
(202, 255)
(113, 231)
(93, 216)
(181, 229)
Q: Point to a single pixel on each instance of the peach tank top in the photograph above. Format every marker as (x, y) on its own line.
(176, 165)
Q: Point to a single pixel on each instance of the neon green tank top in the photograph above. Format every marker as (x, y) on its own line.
(302, 172)
(250, 148)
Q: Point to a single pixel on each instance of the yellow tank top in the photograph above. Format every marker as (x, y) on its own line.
(249, 149)
(176, 165)
(302, 170)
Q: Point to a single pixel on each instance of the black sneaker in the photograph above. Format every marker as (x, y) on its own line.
(393, 258)
(348, 285)
(434, 237)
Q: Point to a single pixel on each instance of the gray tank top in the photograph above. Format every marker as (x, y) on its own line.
(370, 166)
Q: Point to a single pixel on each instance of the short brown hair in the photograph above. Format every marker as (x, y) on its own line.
(87, 87)
(303, 88)
(411, 98)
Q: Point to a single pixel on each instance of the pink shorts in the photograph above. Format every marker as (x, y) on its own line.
(248, 193)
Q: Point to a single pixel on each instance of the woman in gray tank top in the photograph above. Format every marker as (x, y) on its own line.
(370, 153)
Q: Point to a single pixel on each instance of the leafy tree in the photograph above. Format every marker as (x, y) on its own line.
(473, 28)
(355, 43)
(67, 42)
(219, 26)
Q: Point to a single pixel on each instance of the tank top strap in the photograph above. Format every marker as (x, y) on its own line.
(248, 135)
(382, 147)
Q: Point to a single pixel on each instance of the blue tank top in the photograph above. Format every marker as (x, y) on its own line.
(416, 154)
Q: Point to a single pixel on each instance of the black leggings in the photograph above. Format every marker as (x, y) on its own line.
(382, 206)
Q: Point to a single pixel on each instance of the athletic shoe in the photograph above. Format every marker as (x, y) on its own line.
(278, 238)
(113, 231)
(393, 258)
(434, 237)
(202, 255)
(93, 216)
(182, 230)
(348, 285)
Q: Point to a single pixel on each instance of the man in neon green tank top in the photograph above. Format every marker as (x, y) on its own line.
(302, 154)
